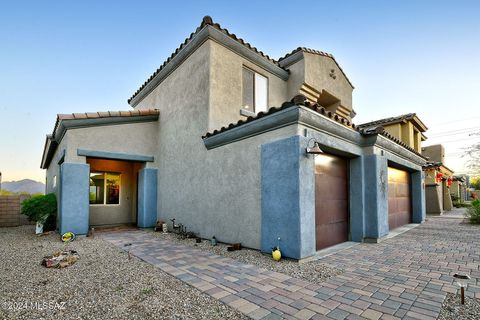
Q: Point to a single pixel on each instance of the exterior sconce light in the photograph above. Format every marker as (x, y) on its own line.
(462, 279)
(315, 148)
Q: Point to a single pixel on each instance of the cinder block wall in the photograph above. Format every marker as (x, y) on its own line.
(10, 215)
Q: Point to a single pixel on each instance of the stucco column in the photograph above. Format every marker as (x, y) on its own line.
(147, 197)
(73, 206)
(418, 197)
(447, 199)
(357, 186)
(288, 197)
(376, 196)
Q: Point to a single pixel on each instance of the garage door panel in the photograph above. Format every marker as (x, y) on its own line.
(391, 190)
(403, 205)
(333, 187)
(331, 200)
(331, 234)
(399, 198)
(331, 211)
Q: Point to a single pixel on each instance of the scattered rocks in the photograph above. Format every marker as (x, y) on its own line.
(103, 284)
(60, 259)
(453, 310)
(314, 271)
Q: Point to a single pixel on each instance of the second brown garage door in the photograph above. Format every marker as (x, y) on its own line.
(331, 200)
(399, 198)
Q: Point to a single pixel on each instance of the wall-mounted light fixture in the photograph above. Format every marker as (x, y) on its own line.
(313, 147)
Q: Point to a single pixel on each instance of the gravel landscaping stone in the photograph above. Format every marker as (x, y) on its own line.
(452, 309)
(103, 284)
(313, 271)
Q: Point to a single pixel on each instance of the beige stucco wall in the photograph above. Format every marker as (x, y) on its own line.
(317, 75)
(407, 134)
(447, 198)
(434, 199)
(434, 152)
(395, 130)
(310, 76)
(296, 78)
(225, 96)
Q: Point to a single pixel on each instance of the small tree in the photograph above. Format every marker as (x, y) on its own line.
(42, 209)
(473, 155)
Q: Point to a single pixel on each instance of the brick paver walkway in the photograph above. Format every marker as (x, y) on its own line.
(407, 276)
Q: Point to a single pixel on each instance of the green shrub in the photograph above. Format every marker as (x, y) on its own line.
(473, 213)
(462, 205)
(43, 209)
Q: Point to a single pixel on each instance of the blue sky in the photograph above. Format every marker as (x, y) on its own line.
(402, 56)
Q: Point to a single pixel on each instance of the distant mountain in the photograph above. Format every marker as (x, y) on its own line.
(25, 185)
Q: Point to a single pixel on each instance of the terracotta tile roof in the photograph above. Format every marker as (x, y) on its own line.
(432, 164)
(108, 114)
(393, 120)
(104, 114)
(207, 20)
(390, 137)
(302, 100)
(317, 52)
(297, 100)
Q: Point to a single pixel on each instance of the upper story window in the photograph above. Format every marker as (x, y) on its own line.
(255, 91)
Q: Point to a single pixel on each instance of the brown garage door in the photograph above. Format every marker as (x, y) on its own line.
(399, 198)
(331, 200)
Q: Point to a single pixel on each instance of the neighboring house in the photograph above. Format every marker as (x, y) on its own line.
(438, 180)
(407, 129)
(459, 188)
(212, 143)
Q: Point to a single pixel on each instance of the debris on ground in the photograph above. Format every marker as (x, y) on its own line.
(60, 259)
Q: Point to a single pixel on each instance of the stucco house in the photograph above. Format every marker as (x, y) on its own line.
(234, 144)
(438, 180)
(459, 188)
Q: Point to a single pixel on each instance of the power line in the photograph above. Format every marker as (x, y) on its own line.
(456, 140)
(453, 121)
(442, 133)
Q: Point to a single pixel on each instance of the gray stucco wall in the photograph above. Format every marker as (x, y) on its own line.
(213, 192)
(132, 138)
(288, 206)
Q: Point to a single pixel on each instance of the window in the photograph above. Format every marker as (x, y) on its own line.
(104, 188)
(255, 91)
(54, 183)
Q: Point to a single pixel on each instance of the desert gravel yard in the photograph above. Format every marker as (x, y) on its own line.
(103, 284)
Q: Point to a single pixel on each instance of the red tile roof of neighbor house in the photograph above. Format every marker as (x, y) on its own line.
(398, 119)
(303, 101)
(207, 21)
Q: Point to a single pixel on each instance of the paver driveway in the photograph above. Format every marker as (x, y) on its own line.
(407, 276)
